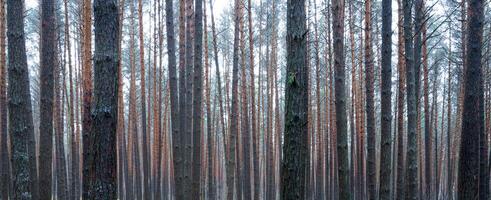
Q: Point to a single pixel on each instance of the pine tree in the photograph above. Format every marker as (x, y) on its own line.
(386, 134)
(295, 161)
(19, 104)
(412, 150)
(101, 182)
(197, 97)
(340, 99)
(48, 58)
(4, 154)
(469, 181)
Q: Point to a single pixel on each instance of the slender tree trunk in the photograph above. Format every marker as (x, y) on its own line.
(234, 119)
(386, 89)
(5, 154)
(188, 101)
(101, 180)
(61, 171)
(401, 65)
(197, 98)
(370, 105)
(48, 62)
(470, 184)
(254, 133)
(171, 51)
(145, 146)
(245, 123)
(340, 98)
(86, 84)
(122, 161)
(210, 156)
(412, 149)
(178, 139)
(4, 142)
(428, 134)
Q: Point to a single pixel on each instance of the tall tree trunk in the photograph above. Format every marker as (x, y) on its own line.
(61, 171)
(48, 62)
(197, 98)
(386, 89)
(101, 180)
(171, 51)
(210, 156)
(296, 159)
(470, 184)
(133, 136)
(449, 121)
(234, 119)
(245, 163)
(428, 134)
(145, 141)
(188, 101)
(370, 105)
(4, 142)
(401, 65)
(340, 98)
(86, 83)
(122, 161)
(178, 139)
(20, 111)
(86, 65)
(412, 146)
(254, 133)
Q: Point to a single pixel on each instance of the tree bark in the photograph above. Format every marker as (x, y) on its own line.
(234, 120)
(386, 89)
(197, 98)
(171, 51)
(4, 142)
(178, 138)
(340, 99)
(145, 141)
(296, 157)
(61, 171)
(370, 104)
(20, 112)
(101, 180)
(412, 149)
(401, 65)
(469, 182)
(48, 62)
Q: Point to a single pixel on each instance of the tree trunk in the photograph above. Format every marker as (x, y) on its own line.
(386, 134)
(133, 139)
(401, 65)
(101, 180)
(234, 119)
(412, 149)
(340, 98)
(122, 161)
(296, 158)
(61, 171)
(171, 51)
(145, 146)
(4, 142)
(178, 139)
(197, 98)
(48, 62)
(20, 110)
(469, 183)
(370, 105)
(188, 102)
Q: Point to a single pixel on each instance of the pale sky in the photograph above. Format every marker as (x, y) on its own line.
(218, 5)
